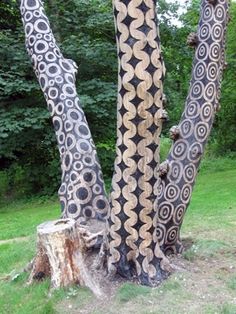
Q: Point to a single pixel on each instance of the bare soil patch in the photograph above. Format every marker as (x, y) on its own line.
(197, 286)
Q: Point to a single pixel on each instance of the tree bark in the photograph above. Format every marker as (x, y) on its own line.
(61, 252)
(190, 136)
(134, 250)
(82, 193)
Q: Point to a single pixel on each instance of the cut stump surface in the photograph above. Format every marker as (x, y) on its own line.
(61, 250)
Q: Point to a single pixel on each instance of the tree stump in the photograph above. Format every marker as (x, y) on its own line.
(61, 252)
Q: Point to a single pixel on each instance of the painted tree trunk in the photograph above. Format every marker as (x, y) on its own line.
(82, 193)
(134, 250)
(190, 136)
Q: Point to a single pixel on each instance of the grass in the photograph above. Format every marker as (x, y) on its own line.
(228, 309)
(213, 203)
(16, 255)
(20, 218)
(208, 286)
(231, 282)
(16, 298)
(223, 309)
(204, 249)
(130, 291)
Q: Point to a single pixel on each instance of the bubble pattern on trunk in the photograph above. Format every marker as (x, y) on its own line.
(132, 242)
(81, 193)
(195, 124)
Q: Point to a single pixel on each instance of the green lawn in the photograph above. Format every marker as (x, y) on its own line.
(208, 284)
(19, 219)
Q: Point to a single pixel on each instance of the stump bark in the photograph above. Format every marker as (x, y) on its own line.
(62, 246)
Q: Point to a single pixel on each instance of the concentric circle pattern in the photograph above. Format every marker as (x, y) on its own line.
(195, 124)
(135, 184)
(80, 166)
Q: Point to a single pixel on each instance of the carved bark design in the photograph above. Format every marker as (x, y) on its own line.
(133, 246)
(174, 132)
(82, 193)
(213, 2)
(192, 40)
(195, 124)
(164, 168)
(146, 210)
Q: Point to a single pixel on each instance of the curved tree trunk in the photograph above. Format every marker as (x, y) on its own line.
(82, 193)
(132, 243)
(191, 135)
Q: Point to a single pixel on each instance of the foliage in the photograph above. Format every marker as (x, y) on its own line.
(226, 120)
(27, 141)
(85, 33)
(106, 151)
(164, 148)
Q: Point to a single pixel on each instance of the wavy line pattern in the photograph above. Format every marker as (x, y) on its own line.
(132, 238)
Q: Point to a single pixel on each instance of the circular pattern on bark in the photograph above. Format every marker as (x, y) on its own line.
(180, 150)
(179, 214)
(171, 235)
(165, 212)
(189, 173)
(81, 171)
(192, 110)
(196, 121)
(171, 192)
(186, 128)
(175, 172)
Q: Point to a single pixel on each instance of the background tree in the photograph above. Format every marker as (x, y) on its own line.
(224, 135)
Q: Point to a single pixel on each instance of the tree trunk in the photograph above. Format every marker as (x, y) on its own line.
(146, 211)
(61, 252)
(132, 243)
(190, 136)
(82, 193)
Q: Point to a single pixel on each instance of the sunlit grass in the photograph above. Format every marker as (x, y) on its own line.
(20, 219)
(210, 222)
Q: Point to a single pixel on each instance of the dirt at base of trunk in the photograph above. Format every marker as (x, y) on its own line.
(196, 286)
